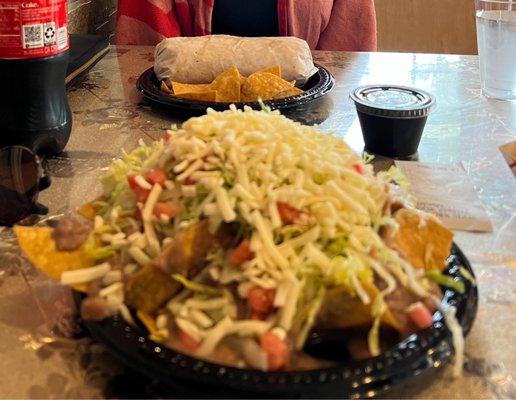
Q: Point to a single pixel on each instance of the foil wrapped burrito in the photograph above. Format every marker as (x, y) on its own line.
(201, 59)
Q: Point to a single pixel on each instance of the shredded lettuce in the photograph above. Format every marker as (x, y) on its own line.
(373, 338)
(215, 257)
(337, 246)
(309, 301)
(190, 209)
(265, 108)
(352, 264)
(288, 232)
(445, 280)
(467, 275)
(196, 287)
(393, 174)
(229, 179)
(320, 179)
(367, 158)
(114, 181)
(95, 252)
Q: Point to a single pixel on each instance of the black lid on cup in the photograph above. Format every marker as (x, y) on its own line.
(392, 101)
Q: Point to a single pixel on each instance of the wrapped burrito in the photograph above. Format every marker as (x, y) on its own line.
(201, 59)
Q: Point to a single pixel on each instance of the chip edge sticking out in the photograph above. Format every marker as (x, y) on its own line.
(39, 247)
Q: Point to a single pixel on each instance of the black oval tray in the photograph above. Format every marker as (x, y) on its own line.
(317, 86)
(424, 352)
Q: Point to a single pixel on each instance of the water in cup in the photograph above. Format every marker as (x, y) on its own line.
(496, 34)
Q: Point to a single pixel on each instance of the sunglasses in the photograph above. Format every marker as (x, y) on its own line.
(21, 179)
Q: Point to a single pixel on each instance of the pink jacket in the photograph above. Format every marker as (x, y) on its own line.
(324, 24)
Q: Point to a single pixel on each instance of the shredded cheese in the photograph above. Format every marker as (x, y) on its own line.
(191, 329)
(224, 204)
(140, 180)
(214, 336)
(139, 256)
(212, 304)
(289, 309)
(267, 241)
(112, 277)
(85, 275)
(201, 318)
(113, 288)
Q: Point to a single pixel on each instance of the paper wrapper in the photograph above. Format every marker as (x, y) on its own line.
(446, 191)
(201, 59)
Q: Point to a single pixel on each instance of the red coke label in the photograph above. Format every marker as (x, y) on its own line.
(33, 28)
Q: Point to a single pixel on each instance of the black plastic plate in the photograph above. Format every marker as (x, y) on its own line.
(421, 353)
(317, 86)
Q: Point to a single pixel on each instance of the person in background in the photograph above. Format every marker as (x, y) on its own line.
(325, 24)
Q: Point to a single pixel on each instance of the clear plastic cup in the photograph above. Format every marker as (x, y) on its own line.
(496, 36)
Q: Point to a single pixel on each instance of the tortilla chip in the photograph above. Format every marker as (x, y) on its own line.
(149, 288)
(40, 249)
(425, 244)
(201, 96)
(164, 88)
(229, 94)
(387, 317)
(181, 88)
(231, 87)
(263, 85)
(289, 92)
(341, 311)
(147, 321)
(230, 73)
(275, 70)
(227, 86)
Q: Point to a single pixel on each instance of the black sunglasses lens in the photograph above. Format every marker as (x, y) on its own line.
(19, 181)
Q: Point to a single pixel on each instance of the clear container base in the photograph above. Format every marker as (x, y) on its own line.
(499, 94)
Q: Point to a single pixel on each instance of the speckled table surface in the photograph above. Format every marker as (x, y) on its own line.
(46, 355)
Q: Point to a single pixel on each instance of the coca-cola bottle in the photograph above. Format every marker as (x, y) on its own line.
(34, 110)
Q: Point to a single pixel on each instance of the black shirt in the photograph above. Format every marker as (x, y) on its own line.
(245, 17)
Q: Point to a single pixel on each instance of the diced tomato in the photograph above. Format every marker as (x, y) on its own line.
(141, 193)
(190, 181)
(278, 353)
(420, 315)
(132, 182)
(165, 207)
(156, 176)
(167, 137)
(257, 316)
(189, 342)
(289, 214)
(359, 167)
(261, 301)
(241, 253)
(137, 214)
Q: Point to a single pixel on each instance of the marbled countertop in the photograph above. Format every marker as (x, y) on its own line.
(46, 355)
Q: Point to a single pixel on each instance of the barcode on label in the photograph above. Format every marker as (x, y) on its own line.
(32, 36)
(62, 37)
